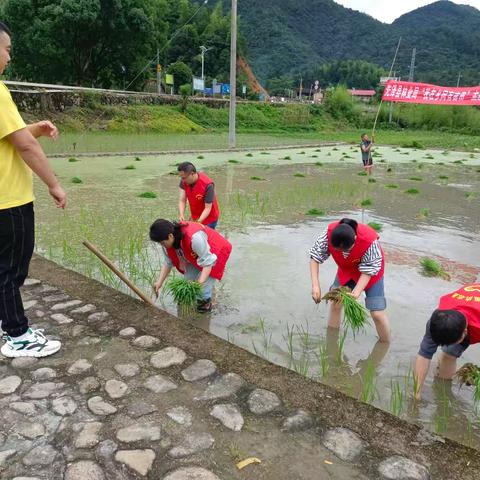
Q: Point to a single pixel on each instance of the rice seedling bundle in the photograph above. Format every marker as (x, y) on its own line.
(376, 226)
(366, 203)
(185, 293)
(249, 155)
(233, 161)
(77, 180)
(73, 159)
(412, 191)
(256, 178)
(315, 212)
(469, 375)
(132, 167)
(355, 315)
(148, 195)
(362, 174)
(299, 175)
(431, 268)
(200, 157)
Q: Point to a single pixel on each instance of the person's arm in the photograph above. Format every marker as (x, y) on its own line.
(45, 128)
(32, 154)
(425, 354)
(318, 254)
(205, 258)
(182, 204)
(361, 285)
(369, 266)
(164, 272)
(209, 197)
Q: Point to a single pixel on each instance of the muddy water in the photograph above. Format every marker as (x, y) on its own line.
(264, 302)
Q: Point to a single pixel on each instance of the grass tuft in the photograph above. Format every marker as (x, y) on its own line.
(416, 179)
(200, 157)
(372, 180)
(362, 174)
(391, 185)
(299, 175)
(256, 178)
(233, 161)
(412, 191)
(287, 157)
(138, 159)
(423, 213)
(73, 160)
(376, 226)
(314, 212)
(443, 177)
(366, 203)
(77, 180)
(129, 167)
(249, 155)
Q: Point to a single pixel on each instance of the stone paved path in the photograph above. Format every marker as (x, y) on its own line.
(118, 404)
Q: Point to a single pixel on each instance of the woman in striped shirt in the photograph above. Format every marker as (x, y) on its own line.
(361, 264)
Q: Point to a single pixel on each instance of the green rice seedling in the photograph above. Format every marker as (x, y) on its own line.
(233, 161)
(423, 213)
(319, 164)
(305, 336)
(440, 163)
(322, 357)
(287, 157)
(443, 177)
(138, 159)
(469, 195)
(471, 155)
(130, 167)
(369, 384)
(313, 156)
(264, 153)
(429, 156)
(413, 144)
(362, 174)
(376, 226)
(249, 155)
(73, 160)
(397, 398)
(318, 150)
(354, 314)
(372, 180)
(290, 343)
(397, 150)
(412, 191)
(299, 175)
(366, 203)
(431, 268)
(200, 157)
(405, 153)
(256, 178)
(185, 293)
(148, 195)
(302, 366)
(382, 161)
(458, 162)
(335, 149)
(301, 153)
(414, 161)
(266, 337)
(391, 185)
(376, 154)
(315, 212)
(416, 179)
(76, 180)
(329, 154)
(389, 169)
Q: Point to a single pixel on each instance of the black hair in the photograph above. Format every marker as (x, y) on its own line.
(343, 235)
(5, 29)
(447, 326)
(187, 167)
(161, 229)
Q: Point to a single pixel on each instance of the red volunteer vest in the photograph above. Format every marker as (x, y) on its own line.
(465, 300)
(348, 267)
(196, 199)
(220, 246)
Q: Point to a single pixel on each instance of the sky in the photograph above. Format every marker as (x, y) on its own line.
(388, 10)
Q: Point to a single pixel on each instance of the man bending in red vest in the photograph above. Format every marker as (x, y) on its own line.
(199, 190)
(197, 251)
(454, 326)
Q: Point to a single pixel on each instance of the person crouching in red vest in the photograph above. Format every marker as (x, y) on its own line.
(199, 190)
(361, 264)
(197, 251)
(454, 326)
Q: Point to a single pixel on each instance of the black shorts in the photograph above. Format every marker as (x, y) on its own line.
(367, 162)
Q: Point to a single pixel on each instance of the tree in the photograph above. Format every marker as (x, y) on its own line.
(181, 72)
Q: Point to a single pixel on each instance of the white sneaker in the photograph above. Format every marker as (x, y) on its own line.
(36, 344)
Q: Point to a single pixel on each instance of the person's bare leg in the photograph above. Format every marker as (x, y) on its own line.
(335, 315)
(447, 366)
(382, 324)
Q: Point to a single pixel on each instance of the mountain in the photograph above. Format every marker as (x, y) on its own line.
(287, 37)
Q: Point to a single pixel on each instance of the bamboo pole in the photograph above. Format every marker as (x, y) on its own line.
(117, 272)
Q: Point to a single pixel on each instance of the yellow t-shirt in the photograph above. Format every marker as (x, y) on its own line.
(16, 183)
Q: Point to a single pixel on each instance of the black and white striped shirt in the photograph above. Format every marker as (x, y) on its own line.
(370, 263)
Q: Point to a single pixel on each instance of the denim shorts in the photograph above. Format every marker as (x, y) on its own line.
(375, 300)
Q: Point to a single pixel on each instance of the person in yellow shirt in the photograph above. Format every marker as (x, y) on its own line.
(20, 154)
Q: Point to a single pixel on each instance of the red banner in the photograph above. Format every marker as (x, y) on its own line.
(411, 92)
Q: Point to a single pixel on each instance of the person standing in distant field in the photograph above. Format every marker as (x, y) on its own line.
(20, 153)
(199, 190)
(366, 148)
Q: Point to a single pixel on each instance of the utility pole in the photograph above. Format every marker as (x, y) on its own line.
(232, 137)
(458, 79)
(203, 50)
(159, 73)
(412, 66)
(390, 113)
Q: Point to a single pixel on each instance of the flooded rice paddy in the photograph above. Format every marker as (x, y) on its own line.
(274, 205)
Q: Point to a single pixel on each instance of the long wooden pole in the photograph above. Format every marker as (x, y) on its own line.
(117, 272)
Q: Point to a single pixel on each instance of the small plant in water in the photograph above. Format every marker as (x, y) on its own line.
(416, 179)
(200, 157)
(469, 375)
(431, 268)
(376, 226)
(423, 213)
(458, 162)
(389, 169)
(443, 177)
(256, 178)
(313, 156)
(301, 153)
(129, 167)
(355, 315)
(322, 357)
(299, 175)
(138, 159)
(366, 203)
(148, 195)
(372, 180)
(369, 384)
(335, 149)
(185, 293)
(264, 153)
(319, 164)
(233, 161)
(315, 212)
(412, 191)
(396, 397)
(73, 160)
(362, 174)
(391, 185)
(469, 195)
(288, 157)
(77, 180)
(249, 155)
